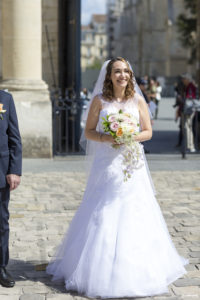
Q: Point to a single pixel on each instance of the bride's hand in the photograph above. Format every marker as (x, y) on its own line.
(110, 139)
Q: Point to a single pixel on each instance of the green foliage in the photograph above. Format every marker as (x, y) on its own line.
(96, 64)
(187, 26)
(191, 6)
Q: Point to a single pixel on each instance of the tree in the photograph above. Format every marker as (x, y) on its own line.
(187, 28)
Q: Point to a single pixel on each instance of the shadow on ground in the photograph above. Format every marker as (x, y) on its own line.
(163, 142)
(34, 271)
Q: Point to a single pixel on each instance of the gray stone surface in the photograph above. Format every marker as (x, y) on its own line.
(43, 206)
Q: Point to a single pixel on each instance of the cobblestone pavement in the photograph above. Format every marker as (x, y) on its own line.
(43, 206)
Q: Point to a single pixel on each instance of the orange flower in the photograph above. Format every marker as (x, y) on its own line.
(132, 130)
(1, 107)
(119, 132)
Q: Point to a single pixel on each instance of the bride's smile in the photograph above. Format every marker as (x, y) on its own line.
(120, 75)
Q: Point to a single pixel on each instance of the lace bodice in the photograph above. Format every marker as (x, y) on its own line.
(130, 106)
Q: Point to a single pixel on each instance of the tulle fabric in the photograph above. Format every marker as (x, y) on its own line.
(118, 244)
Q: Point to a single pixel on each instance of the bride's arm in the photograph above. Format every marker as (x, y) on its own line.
(91, 124)
(145, 122)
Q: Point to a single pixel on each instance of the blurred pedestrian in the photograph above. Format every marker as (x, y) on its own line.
(85, 100)
(189, 93)
(142, 85)
(151, 94)
(179, 96)
(84, 93)
(158, 97)
(151, 90)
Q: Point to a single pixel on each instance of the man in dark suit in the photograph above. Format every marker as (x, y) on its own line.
(10, 172)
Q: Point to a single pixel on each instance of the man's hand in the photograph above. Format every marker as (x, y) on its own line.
(13, 180)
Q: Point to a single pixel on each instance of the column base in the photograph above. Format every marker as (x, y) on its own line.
(24, 85)
(34, 113)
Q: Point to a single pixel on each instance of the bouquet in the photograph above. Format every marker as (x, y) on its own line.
(123, 127)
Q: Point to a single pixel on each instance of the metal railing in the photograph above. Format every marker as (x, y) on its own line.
(66, 114)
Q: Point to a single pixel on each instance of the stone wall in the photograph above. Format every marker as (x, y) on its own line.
(146, 34)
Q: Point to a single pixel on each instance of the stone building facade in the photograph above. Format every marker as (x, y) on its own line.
(94, 41)
(145, 32)
(26, 69)
(93, 49)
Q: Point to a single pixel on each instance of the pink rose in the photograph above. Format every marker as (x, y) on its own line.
(114, 126)
(112, 119)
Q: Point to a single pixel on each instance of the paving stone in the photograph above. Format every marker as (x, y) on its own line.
(187, 282)
(193, 274)
(164, 298)
(9, 297)
(61, 297)
(36, 289)
(195, 254)
(16, 290)
(187, 291)
(195, 297)
(32, 297)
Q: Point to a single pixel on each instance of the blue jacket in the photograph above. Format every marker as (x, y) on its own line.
(10, 140)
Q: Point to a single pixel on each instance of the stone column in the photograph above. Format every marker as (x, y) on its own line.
(22, 73)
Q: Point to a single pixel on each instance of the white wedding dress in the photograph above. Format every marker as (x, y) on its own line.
(118, 244)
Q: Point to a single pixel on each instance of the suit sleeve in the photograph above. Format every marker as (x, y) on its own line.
(14, 141)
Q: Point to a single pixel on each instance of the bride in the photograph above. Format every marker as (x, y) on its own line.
(118, 244)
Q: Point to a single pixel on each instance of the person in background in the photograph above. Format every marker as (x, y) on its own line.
(158, 97)
(189, 93)
(142, 85)
(151, 90)
(151, 93)
(146, 78)
(84, 101)
(189, 86)
(84, 93)
(179, 96)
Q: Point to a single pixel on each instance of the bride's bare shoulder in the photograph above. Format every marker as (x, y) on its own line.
(138, 97)
(97, 98)
(96, 102)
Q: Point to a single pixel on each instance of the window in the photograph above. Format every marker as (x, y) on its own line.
(171, 11)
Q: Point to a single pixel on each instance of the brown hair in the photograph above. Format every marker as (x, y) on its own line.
(108, 92)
